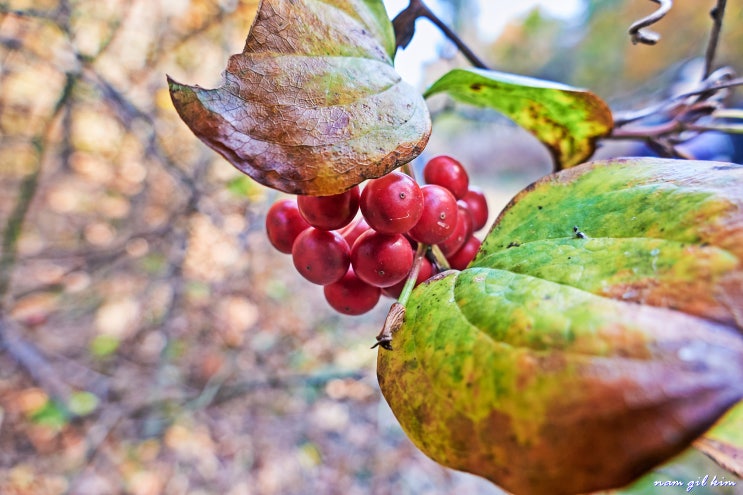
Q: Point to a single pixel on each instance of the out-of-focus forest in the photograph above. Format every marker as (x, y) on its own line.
(152, 340)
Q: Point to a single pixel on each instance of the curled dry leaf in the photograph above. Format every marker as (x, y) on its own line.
(312, 105)
(562, 364)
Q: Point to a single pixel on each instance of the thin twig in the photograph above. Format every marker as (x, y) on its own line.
(624, 118)
(14, 225)
(404, 24)
(637, 30)
(717, 14)
(461, 46)
(32, 361)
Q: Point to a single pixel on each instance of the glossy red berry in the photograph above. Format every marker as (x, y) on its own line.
(462, 232)
(447, 172)
(380, 259)
(284, 224)
(350, 295)
(330, 212)
(321, 256)
(352, 231)
(439, 215)
(478, 207)
(463, 257)
(392, 204)
(425, 272)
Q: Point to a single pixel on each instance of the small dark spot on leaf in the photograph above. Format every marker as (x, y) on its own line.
(476, 87)
(513, 244)
(539, 207)
(570, 257)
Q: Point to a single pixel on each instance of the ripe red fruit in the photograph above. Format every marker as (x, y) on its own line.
(478, 207)
(330, 212)
(462, 231)
(350, 295)
(463, 257)
(439, 215)
(392, 204)
(284, 224)
(320, 256)
(447, 172)
(381, 259)
(425, 272)
(352, 231)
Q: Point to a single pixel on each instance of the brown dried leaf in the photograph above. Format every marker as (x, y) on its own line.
(312, 105)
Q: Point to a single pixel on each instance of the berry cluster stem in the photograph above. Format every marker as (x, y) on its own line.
(413, 276)
(441, 260)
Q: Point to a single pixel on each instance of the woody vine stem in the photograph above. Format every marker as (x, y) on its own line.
(699, 110)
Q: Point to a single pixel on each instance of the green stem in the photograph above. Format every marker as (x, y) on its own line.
(441, 260)
(413, 275)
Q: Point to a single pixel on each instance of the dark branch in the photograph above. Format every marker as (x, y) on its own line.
(717, 13)
(637, 30)
(404, 24)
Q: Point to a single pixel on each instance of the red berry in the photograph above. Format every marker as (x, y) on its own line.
(425, 272)
(320, 256)
(284, 224)
(439, 215)
(463, 257)
(478, 207)
(350, 295)
(381, 259)
(352, 231)
(462, 232)
(330, 212)
(447, 172)
(392, 204)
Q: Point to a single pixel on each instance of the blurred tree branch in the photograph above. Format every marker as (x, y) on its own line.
(717, 14)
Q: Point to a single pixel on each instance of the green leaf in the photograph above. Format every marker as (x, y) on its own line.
(104, 345)
(313, 104)
(571, 360)
(567, 120)
(82, 403)
(52, 414)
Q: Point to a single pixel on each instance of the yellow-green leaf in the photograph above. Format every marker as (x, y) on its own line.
(598, 332)
(567, 120)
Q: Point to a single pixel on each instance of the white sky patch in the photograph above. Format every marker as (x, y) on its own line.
(423, 49)
(493, 16)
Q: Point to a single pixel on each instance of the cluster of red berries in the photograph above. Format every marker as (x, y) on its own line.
(359, 258)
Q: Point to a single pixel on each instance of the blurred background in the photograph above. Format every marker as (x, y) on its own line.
(152, 341)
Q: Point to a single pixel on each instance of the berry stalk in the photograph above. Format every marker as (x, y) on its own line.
(413, 276)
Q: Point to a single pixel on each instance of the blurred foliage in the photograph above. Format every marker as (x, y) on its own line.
(596, 52)
(152, 340)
